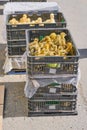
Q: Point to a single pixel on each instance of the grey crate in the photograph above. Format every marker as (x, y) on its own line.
(16, 51)
(53, 95)
(18, 34)
(18, 31)
(51, 105)
(61, 113)
(59, 18)
(16, 47)
(37, 33)
(54, 90)
(59, 89)
(42, 69)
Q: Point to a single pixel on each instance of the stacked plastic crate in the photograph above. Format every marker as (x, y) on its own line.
(52, 80)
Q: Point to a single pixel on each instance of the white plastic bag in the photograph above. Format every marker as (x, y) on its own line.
(32, 86)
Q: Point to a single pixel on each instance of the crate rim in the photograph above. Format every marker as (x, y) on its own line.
(35, 63)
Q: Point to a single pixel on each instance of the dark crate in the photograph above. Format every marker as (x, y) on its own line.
(18, 31)
(13, 51)
(59, 89)
(14, 43)
(61, 113)
(54, 95)
(52, 89)
(37, 33)
(16, 34)
(59, 18)
(16, 47)
(51, 105)
(42, 69)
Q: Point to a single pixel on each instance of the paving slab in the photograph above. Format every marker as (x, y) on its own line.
(16, 104)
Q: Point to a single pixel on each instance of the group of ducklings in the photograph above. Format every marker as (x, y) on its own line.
(26, 20)
(51, 45)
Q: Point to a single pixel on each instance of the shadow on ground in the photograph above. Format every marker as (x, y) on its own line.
(16, 104)
(83, 53)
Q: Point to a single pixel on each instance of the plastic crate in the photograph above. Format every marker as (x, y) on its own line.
(61, 113)
(51, 88)
(51, 105)
(46, 66)
(59, 18)
(16, 50)
(53, 95)
(48, 69)
(16, 47)
(37, 33)
(16, 34)
(57, 89)
(15, 43)
(18, 31)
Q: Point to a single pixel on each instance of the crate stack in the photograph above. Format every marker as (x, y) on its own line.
(16, 38)
(55, 77)
(60, 95)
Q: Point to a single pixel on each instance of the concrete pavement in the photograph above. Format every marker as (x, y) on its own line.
(75, 12)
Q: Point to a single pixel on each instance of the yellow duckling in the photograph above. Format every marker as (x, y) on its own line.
(13, 21)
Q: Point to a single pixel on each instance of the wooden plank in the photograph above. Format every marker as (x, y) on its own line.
(1, 116)
(1, 110)
(2, 88)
